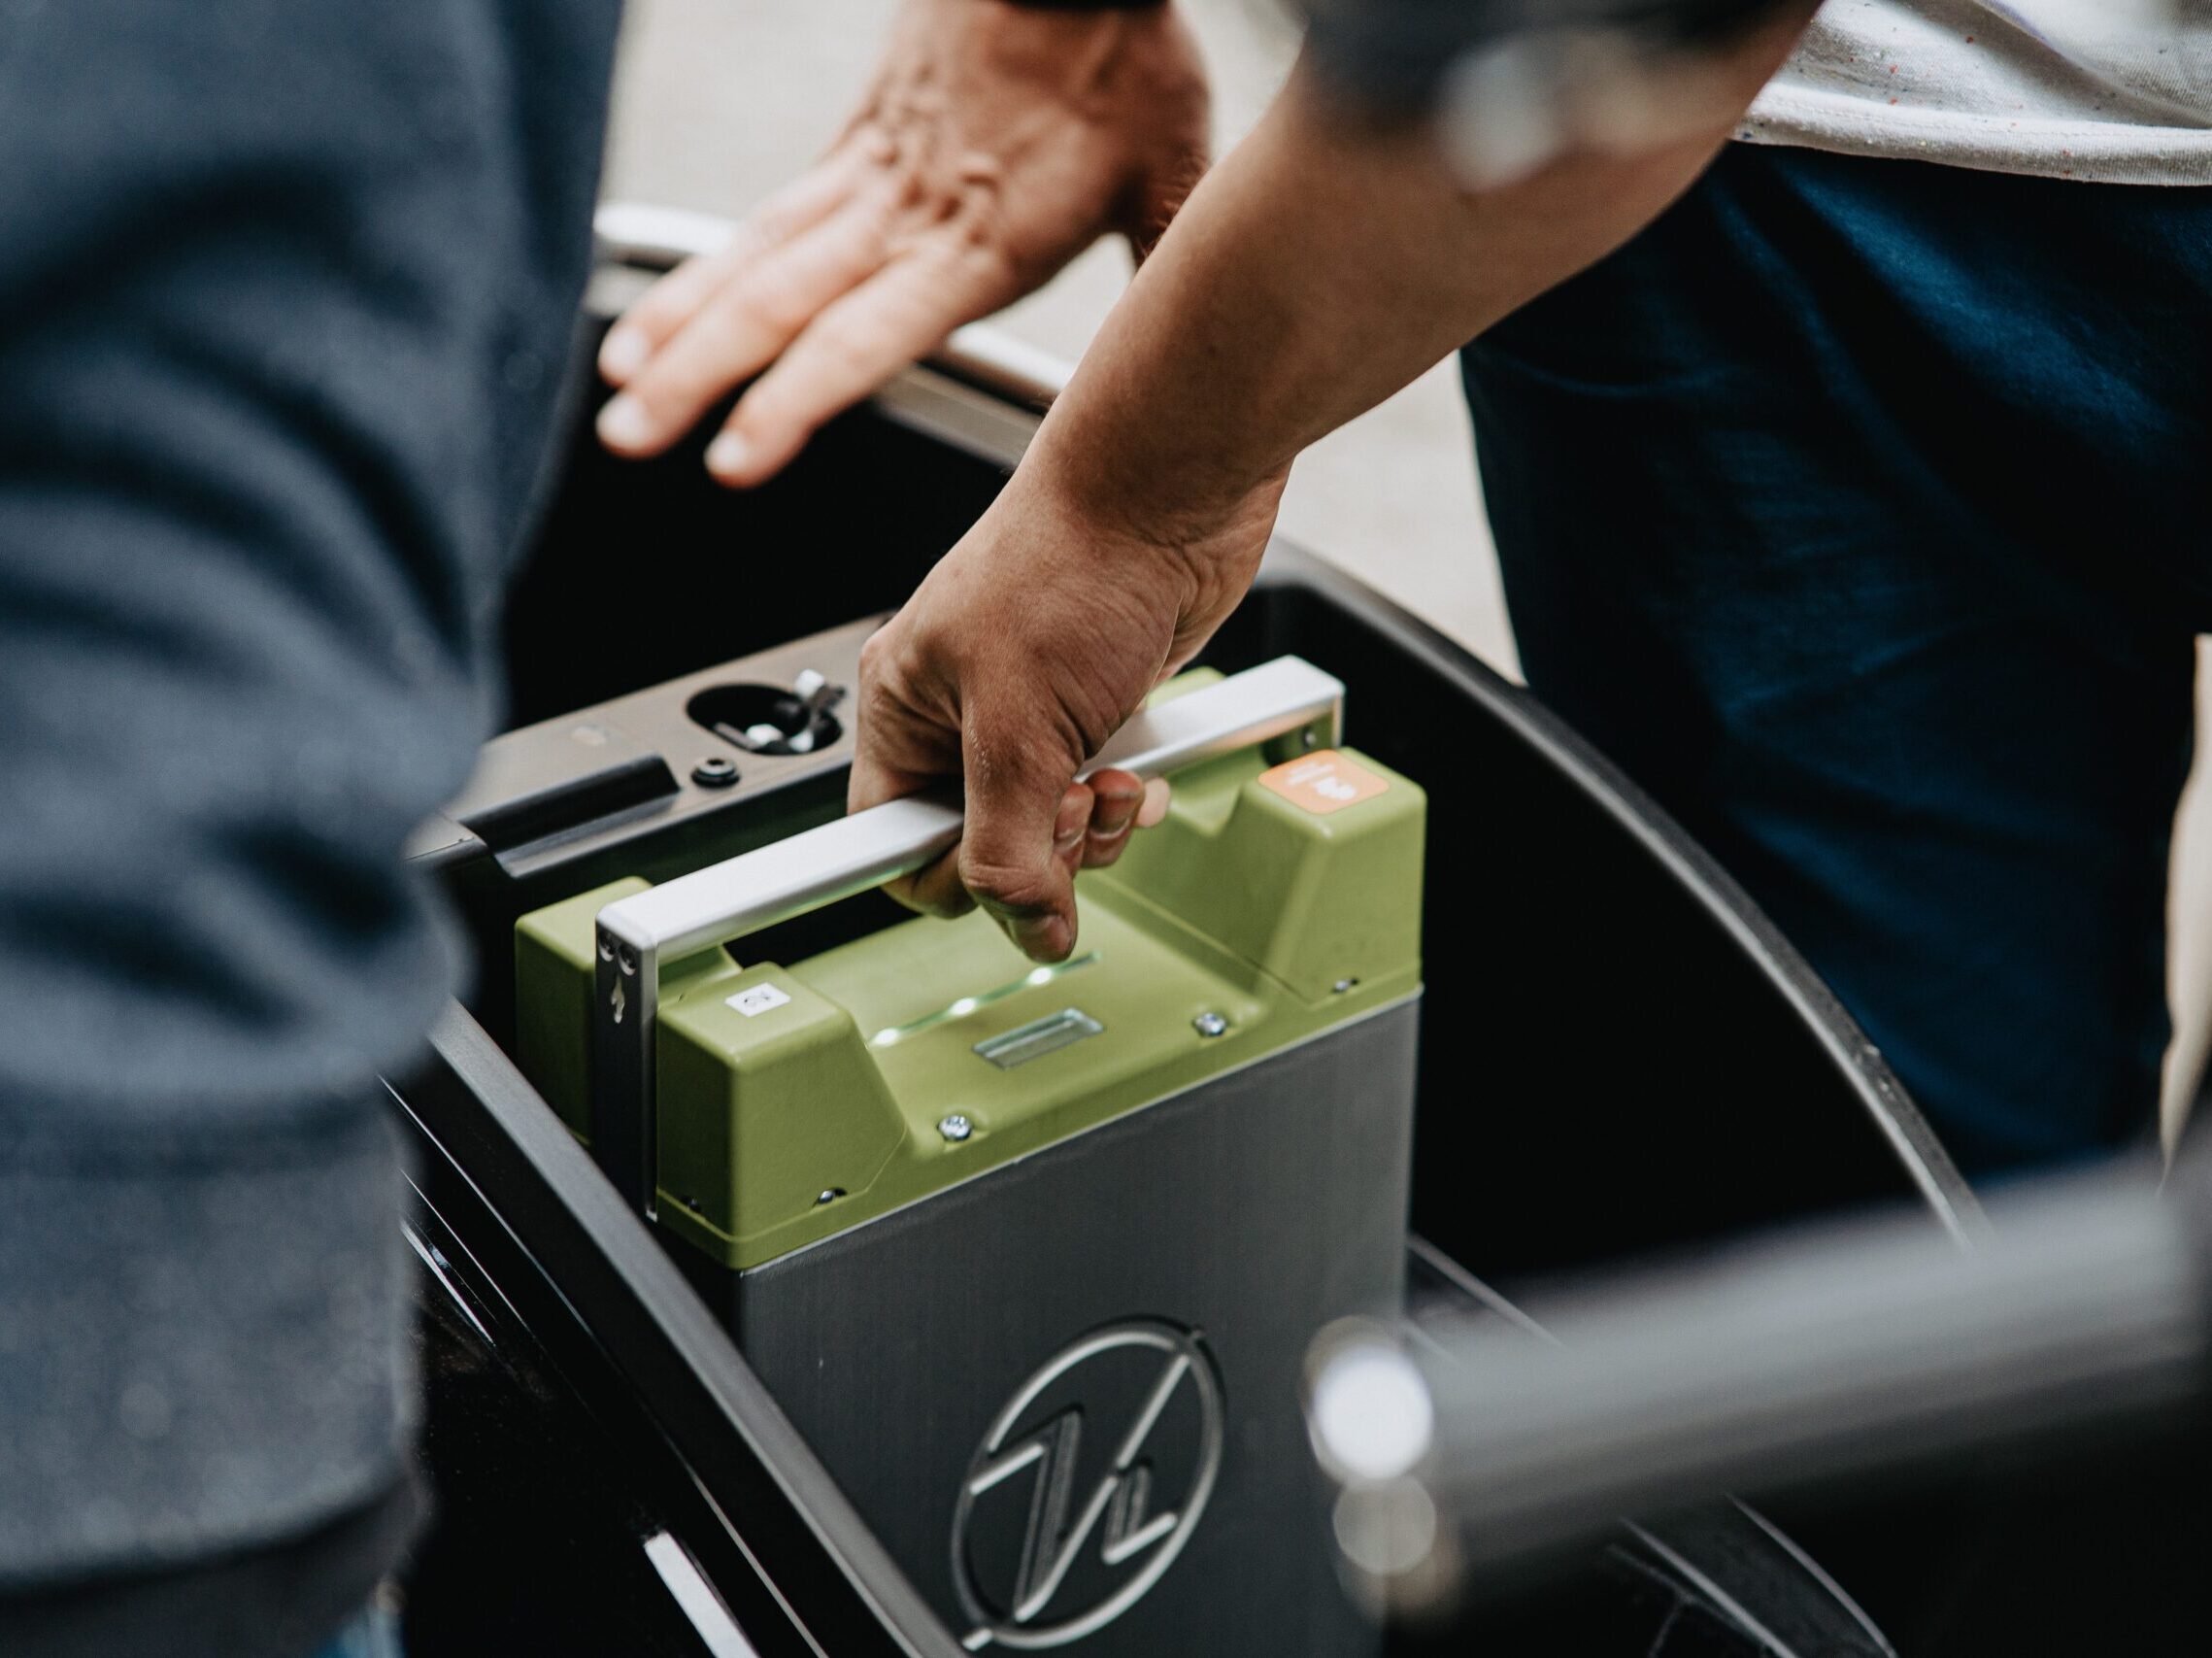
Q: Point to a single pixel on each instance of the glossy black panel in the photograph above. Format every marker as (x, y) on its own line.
(537, 1540)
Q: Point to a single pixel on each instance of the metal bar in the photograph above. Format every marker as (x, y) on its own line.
(1283, 698)
(1833, 1354)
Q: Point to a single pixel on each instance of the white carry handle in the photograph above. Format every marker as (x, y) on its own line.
(775, 883)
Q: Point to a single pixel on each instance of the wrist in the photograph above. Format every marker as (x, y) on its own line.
(1095, 498)
(1131, 445)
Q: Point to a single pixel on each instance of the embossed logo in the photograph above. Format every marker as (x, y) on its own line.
(1086, 1486)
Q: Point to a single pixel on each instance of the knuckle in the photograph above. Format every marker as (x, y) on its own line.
(874, 654)
(883, 664)
(848, 355)
(717, 337)
(775, 298)
(1013, 888)
(1104, 855)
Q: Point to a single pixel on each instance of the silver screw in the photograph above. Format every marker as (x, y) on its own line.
(829, 1195)
(1343, 985)
(955, 1128)
(1309, 739)
(1210, 1024)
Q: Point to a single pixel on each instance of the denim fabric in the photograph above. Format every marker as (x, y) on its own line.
(375, 1634)
(1861, 510)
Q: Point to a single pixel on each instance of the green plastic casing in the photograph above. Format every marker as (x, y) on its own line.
(824, 1110)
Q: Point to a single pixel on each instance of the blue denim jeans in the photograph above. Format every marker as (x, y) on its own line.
(1861, 510)
(375, 1634)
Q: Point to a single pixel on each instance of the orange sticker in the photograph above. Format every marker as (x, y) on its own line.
(1323, 783)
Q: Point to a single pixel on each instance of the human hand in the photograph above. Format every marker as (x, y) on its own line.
(1025, 650)
(996, 144)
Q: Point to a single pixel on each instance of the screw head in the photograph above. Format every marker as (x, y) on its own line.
(955, 1128)
(1210, 1024)
(829, 1195)
(1343, 985)
(715, 771)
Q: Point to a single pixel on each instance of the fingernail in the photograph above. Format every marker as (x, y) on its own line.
(1071, 820)
(1154, 804)
(623, 424)
(1043, 938)
(727, 454)
(622, 353)
(1116, 812)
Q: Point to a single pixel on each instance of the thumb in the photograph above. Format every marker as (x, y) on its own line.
(1026, 817)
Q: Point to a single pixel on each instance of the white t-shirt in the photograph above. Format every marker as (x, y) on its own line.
(2118, 91)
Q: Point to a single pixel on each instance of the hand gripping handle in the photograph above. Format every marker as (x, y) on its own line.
(775, 883)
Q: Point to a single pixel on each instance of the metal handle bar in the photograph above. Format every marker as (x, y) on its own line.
(1826, 1356)
(776, 883)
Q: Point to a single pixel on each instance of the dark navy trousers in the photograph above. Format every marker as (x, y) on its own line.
(1861, 510)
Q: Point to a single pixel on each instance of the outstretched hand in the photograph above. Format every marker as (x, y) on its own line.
(996, 144)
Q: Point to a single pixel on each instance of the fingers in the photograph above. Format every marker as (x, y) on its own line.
(672, 301)
(666, 306)
(1124, 804)
(846, 352)
(1030, 825)
(1090, 832)
(1026, 825)
(1157, 797)
(1116, 797)
(935, 889)
(1119, 806)
(740, 328)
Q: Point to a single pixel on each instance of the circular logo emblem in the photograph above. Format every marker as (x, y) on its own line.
(1086, 1486)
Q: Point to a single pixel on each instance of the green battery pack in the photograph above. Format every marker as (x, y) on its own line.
(797, 1101)
(1033, 1255)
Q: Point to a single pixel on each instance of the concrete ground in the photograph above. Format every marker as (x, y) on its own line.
(718, 101)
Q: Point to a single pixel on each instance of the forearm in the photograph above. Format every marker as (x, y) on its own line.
(1324, 265)
(1319, 268)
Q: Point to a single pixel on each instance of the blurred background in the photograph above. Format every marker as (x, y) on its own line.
(717, 102)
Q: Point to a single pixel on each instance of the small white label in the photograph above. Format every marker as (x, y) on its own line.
(759, 999)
